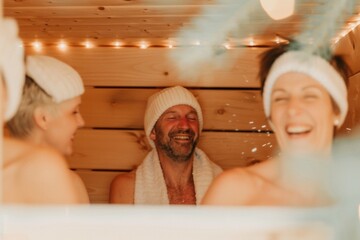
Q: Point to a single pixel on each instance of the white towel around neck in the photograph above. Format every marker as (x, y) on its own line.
(150, 187)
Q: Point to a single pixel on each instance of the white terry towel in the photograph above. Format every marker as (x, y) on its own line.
(150, 187)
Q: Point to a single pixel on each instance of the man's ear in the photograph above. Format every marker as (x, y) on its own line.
(153, 134)
(41, 118)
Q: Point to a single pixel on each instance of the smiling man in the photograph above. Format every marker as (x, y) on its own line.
(175, 171)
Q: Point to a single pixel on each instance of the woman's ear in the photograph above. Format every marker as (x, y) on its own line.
(271, 124)
(4, 98)
(41, 118)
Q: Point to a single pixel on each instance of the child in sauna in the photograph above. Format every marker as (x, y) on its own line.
(305, 100)
(30, 174)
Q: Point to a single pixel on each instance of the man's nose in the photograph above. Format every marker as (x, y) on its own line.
(183, 123)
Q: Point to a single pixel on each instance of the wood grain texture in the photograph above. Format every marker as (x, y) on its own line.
(136, 67)
(222, 109)
(97, 184)
(352, 120)
(125, 149)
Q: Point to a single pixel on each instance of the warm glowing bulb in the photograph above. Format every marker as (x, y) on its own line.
(251, 42)
(277, 40)
(197, 43)
(144, 45)
(37, 46)
(88, 44)
(278, 9)
(170, 46)
(117, 44)
(226, 45)
(62, 46)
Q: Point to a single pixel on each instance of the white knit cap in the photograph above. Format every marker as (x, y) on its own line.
(56, 78)
(314, 66)
(11, 65)
(161, 101)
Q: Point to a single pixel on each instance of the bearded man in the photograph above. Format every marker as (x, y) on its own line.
(175, 171)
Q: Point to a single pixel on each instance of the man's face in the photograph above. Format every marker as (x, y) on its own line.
(176, 133)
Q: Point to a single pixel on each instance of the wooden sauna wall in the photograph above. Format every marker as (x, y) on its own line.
(118, 82)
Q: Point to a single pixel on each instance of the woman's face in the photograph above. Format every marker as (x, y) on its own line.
(302, 114)
(63, 125)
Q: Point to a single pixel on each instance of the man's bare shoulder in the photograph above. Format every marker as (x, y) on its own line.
(122, 188)
(233, 187)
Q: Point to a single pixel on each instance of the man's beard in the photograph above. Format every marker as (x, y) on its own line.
(179, 152)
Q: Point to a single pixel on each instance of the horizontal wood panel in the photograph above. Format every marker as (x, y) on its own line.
(124, 150)
(73, 10)
(152, 67)
(100, 11)
(97, 184)
(42, 3)
(122, 29)
(222, 109)
(120, 20)
(352, 120)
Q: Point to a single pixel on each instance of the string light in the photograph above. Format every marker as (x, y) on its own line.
(277, 40)
(62, 46)
(37, 46)
(117, 44)
(251, 42)
(144, 45)
(226, 45)
(88, 44)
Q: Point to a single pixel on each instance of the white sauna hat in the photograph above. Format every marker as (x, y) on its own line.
(11, 65)
(314, 66)
(55, 77)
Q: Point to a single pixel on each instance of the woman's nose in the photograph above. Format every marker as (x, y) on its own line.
(294, 107)
(81, 121)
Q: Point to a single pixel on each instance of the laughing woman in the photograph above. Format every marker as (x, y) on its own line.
(305, 100)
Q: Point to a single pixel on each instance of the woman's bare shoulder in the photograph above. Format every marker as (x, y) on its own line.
(232, 187)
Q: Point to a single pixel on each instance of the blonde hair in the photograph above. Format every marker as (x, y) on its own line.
(33, 97)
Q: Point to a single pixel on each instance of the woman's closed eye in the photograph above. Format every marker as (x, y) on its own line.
(311, 96)
(280, 99)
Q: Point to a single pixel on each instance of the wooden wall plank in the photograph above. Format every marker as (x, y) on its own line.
(144, 31)
(101, 11)
(42, 3)
(352, 120)
(91, 10)
(152, 67)
(97, 184)
(125, 149)
(109, 21)
(222, 109)
(120, 20)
